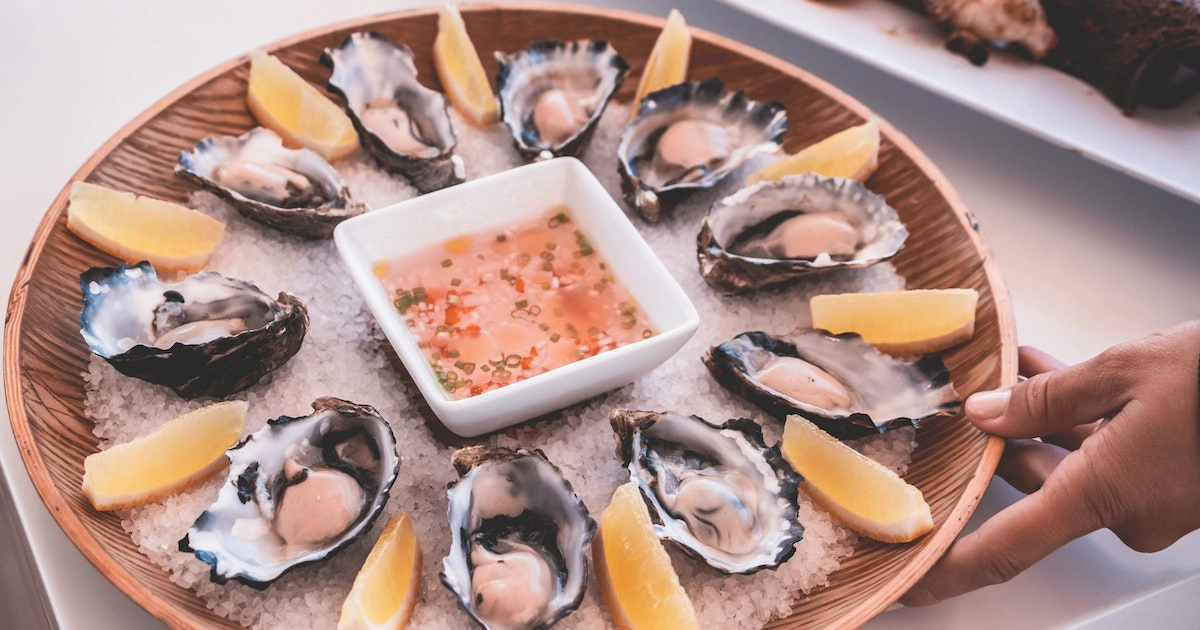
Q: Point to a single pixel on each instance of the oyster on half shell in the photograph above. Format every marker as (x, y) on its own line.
(404, 125)
(294, 190)
(690, 136)
(716, 491)
(298, 491)
(779, 231)
(840, 382)
(204, 335)
(553, 93)
(519, 539)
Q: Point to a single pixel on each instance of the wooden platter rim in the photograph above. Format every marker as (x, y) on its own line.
(152, 603)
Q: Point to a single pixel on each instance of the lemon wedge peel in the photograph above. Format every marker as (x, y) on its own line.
(387, 587)
(668, 61)
(637, 581)
(851, 153)
(132, 228)
(901, 323)
(461, 71)
(178, 455)
(282, 101)
(860, 492)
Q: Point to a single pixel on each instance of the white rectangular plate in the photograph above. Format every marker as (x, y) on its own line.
(1158, 146)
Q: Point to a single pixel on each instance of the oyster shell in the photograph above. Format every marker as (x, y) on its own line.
(840, 382)
(404, 125)
(775, 232)
(689, 136)
(267, 519)
(204, 335)
(553, 93)
(292, 190)
(716, 491)
(519, 539)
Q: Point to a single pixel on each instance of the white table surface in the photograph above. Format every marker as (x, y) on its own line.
(1092, 258)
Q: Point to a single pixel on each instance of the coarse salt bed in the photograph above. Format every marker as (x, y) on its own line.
(344, 356)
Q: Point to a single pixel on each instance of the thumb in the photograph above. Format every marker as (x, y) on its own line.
(1053, 402)
(1015, 538)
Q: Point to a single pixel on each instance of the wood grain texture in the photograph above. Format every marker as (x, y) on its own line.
(45, 355)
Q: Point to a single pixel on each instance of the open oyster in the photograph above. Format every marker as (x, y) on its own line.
(204, 335)
(689, 136)
(292, 190)
(299, 490)
(553, 93)
(519, 548)
(840, 382)
(404, 125)
(773, 232)
(716, 491)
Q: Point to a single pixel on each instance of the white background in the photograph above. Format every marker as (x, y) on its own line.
(1092, 257)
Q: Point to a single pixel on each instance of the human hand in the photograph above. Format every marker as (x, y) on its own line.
(1135, 471)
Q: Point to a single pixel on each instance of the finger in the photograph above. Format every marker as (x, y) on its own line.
(1026, 464)
(1073, 438)
(1032, 361)
(1052, 402)
(1008, 543)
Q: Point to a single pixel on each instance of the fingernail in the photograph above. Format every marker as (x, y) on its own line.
(988, 405)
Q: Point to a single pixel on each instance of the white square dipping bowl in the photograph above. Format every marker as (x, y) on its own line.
(496, 202)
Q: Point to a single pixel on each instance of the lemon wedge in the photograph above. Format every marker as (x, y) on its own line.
(857, 490)
(901, 322)
(171, 237)
(285, 103)
(178, 455)
(851, 153)
(636, 578)
(461, 71)
(386, 588)
(668, 62)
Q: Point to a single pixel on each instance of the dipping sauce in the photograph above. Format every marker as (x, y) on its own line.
(490, 309)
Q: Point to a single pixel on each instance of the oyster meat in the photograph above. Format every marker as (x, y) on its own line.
(298, 491)
(840, 382)
(775, 232)
(404, 125)
(553, 93)
(689, 136)
(204, 335)
(716, 491)
(519, 539)
(292, 190)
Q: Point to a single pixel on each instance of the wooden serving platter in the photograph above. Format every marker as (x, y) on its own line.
(45, 356)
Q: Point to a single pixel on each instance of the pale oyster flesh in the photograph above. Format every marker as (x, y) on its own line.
(292, 190)
(204, 335)
(298, 491)
(840, 382)
(404, 125)
(553, 93)
(519, 539)
(690, 136)
(716, 491)
(781, 231)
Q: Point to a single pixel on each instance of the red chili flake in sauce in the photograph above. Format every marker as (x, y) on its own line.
(522, 294)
